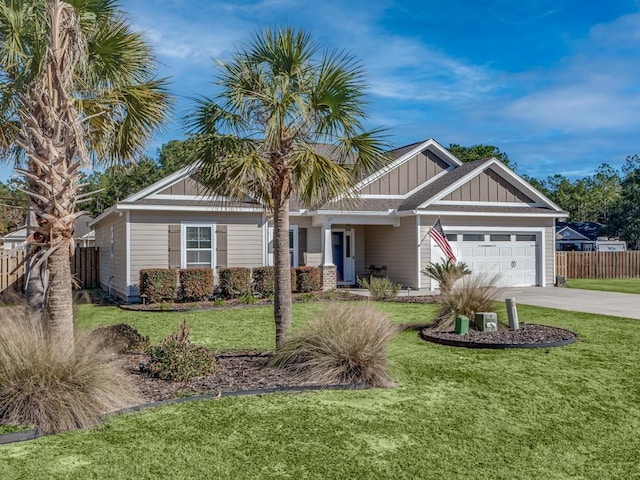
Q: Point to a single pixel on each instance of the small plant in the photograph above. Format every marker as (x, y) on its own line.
(474, 294)
(248, 300)
(218, 302)
(196, 284)
(177, 359)
(10, 296)
(235, 282)
(330, 294)
(446, 273)
(264, 281)
(341, 344)
(158, 284)
(380, 288)
(307, 297)
(121, 338)
(45, 384)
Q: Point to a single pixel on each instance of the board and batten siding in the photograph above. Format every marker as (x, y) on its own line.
(395, 248)
(187, 186)
(113, 268)
(149, 243)
(504, 224)
(488, 186)
(404, 178)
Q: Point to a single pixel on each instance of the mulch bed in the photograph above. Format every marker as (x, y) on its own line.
(235, 372)
(529, 335)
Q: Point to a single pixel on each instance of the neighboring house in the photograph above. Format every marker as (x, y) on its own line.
(495, 220)
(585, 237)
(84, 235)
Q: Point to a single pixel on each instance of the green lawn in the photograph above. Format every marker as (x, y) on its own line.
(623, 285)
(570, 412)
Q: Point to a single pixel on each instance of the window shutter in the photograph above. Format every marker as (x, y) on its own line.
(302, 245)
(221, 246)
(174, 246)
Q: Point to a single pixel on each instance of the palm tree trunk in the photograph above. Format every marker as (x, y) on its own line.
(60, 298)
(282, 310)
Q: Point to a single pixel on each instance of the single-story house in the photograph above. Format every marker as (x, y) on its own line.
(585, 237)
(83, 235)
(495, 222)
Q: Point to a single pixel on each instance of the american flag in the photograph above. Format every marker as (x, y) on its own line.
(440, 238)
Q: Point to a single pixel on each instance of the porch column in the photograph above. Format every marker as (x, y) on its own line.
(327, 248)
(329, 276)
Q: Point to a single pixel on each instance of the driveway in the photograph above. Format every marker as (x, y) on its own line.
(576, 300)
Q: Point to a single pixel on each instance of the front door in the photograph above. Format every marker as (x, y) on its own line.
(343, 256)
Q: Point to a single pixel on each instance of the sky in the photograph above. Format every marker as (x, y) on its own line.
(553, 83)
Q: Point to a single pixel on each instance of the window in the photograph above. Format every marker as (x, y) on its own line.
(293, 246)
(197, 246)
(111, 245)
(526, 238)
(500, 237)
(452, 237)
(473, 237)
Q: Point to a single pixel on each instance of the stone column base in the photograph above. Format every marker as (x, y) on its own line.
(329, 277)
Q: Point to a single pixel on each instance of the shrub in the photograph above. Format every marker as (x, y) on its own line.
(264, 281)
(10, 296)
(196, 284)
(235, 282)
(158, 284)
(341, 344)
(121, 338)
(294, 279)
(380, 288)
(308, 279)
(177, 359)
(474, 294)
(446, 273)
(307, 297)
(45, 385)
(248, 300)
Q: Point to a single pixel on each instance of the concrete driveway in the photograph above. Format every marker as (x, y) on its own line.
(576, 300)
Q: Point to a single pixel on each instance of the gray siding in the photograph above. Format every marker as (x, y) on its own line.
(488, 186)
(407, 176)
(395, 248)
(188, 186)
(150, 238)
(113, 268)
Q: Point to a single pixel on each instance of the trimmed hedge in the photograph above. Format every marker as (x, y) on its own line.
(264, 280)
(158, 284)
(196, 284)
(308, 279)
(235, 282)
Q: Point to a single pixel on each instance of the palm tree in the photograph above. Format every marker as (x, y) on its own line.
(76, 88)
(259, 136)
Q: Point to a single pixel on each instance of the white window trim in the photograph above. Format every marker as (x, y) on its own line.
(183, 241)
(269, 252)
(111, 242)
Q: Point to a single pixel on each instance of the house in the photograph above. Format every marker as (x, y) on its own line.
(83, 235)
(495, 221)
(585, 237)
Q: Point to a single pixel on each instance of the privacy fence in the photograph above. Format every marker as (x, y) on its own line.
(598, 264)
(85, 267)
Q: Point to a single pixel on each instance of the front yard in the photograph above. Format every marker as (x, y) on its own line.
(569, 412)
(622, 285)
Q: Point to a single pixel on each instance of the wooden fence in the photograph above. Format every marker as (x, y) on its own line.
(85, 267)
(598, 264)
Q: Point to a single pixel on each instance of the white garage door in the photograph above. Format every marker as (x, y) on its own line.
(513, 256)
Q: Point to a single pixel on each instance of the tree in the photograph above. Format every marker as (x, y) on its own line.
(625, 221)
(259, 136)
(13, 205)
(76, 87)
(478, 152)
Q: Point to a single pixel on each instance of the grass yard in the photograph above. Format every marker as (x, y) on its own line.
(623, 285)
(570, 412)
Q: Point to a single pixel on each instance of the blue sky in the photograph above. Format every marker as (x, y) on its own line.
(555, 84)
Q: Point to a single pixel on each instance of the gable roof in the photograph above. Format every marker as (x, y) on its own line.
(426, 197)
(588, 230)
